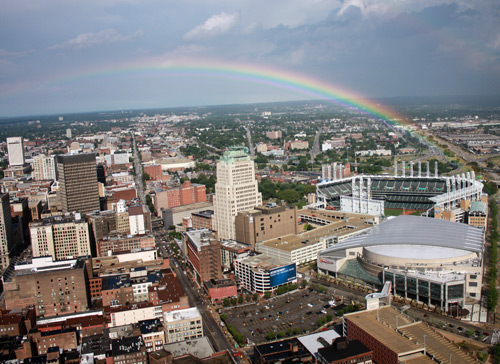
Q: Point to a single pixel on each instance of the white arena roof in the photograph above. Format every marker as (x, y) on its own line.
(416, 236)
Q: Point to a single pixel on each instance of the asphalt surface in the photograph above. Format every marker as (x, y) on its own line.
(211, 327)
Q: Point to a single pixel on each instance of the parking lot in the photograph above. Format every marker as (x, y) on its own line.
(290, 314)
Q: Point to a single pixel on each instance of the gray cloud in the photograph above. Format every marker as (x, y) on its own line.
(85, 40)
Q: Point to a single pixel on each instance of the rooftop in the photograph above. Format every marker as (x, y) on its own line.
(200, 348)
(186, 314)
(263, 262)
(316, 341)
(403, 231)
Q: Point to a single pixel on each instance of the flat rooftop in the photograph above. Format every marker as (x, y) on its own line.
(263, 262)
(199, 348)
(186, 314)
(336, 228)
(410, 338)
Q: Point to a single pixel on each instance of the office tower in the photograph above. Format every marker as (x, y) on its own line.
(6, 234)
(60, 237)
(78, 182)
(68, 133)
(44, 168)
(236, 190)
(16, 151)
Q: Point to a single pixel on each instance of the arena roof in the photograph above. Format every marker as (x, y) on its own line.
(416, 230)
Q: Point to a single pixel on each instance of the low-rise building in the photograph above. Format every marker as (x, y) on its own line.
(261, 273)
(129, 350)
(183, 325)
(153, 334)
(232, 250)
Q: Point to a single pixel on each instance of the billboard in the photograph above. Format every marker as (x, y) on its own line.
(282, 275)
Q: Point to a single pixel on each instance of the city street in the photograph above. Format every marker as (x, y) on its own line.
(211, 327)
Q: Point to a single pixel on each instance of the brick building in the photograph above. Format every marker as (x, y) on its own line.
(65, 339)
(203, 253)
(202, 219)
(120, 243)
(53, 288)
(180, 196)
(128, 350)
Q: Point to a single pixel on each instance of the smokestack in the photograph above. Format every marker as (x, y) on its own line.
(411, 169)
(419, 169)
(403, 165)
(428, 170)
(436, 170)
(395, 168)
(335, 171)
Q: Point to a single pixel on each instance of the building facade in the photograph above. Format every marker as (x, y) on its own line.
(60, 237)
(183, 325)
(266, 222)
(203, 253)
(236, 190)
(77, 175)
(7, 241)
(261, 273)
(53, 288)
(15, 149)
(44, 168)
(186, 194)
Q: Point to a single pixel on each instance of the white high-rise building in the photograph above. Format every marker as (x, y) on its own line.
(44, 168)
(16, 151)
(236, 190)
(60, 237)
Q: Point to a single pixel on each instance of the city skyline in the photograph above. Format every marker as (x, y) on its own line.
(110, 55)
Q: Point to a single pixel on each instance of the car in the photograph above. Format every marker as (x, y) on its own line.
(309, 313)
(310, 304)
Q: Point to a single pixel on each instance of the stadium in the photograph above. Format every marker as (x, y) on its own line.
(433, 261)
(410, 192)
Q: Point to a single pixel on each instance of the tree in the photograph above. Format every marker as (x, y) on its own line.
(240, 299)
(255, 297)
(267, 295)
(270, 335)
(289, 195)
(248, 298)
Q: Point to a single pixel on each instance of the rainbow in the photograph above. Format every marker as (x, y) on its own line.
(273, 77)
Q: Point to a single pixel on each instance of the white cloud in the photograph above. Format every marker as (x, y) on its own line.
(215, 25)
(9, 54)
(86, 40)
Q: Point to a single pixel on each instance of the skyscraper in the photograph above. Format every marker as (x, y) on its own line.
(236, 190)
(43, 168)
(16, 151)
(78, 189)
(6, 234)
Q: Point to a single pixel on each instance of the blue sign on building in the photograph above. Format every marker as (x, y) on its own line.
(282, 275)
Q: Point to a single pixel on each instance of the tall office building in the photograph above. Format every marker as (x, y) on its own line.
(44, 168)
(78, 182)
(6, 234)
(236, 190)
(60, 237)
(16, 151)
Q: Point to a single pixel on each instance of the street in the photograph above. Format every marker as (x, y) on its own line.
(211, 327)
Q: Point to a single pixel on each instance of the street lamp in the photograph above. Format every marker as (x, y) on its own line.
(425, 351)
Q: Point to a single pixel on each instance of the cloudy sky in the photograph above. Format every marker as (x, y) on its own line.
(60, 56)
